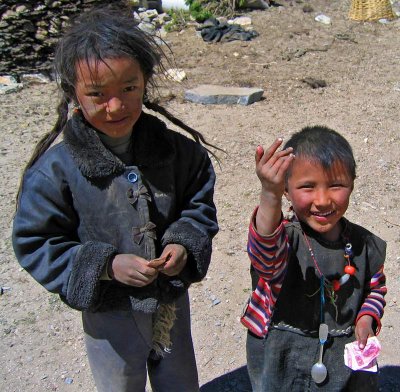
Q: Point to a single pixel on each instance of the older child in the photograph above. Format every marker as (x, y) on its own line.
(118, 218)
(313, 271)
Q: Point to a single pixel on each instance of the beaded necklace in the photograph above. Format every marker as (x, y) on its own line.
(331, 287)
(319, 371)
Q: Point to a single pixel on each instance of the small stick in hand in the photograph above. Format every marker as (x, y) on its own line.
(159, 263)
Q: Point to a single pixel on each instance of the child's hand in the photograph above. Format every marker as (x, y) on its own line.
(176, 256)
(132, 270)
(271, 167)
(364, 330)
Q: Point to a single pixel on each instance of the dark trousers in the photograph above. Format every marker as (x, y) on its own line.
(119, 344)
(282, 363)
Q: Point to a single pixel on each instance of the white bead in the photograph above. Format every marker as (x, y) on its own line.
(344, 279)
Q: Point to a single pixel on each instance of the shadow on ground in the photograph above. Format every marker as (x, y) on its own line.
(238, 381)
(235, 381)
(389, 379)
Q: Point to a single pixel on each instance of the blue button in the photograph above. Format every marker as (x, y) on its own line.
(132, 177)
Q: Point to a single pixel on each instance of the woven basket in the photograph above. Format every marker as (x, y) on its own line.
(369, 10)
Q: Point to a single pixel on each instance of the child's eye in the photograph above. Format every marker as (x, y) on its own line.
(306, 186)
(130, 88)
(94, 94)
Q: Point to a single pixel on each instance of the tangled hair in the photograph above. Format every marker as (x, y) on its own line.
(323, 146)
(93, 37)
(101, 34)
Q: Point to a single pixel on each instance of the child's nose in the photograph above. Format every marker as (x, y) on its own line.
(114, 105)
(321, 198)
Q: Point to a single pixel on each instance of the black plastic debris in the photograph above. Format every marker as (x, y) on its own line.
(214, 31)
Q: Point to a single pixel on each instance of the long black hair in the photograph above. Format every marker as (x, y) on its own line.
(100, 34)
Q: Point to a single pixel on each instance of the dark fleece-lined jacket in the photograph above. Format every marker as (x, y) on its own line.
(80, 206)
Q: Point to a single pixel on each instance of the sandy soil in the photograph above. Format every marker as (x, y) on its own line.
(41, 346)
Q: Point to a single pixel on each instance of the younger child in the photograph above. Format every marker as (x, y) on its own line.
(118, 218)
(314, 269)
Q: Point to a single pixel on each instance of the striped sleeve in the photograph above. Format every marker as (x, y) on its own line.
(268, 254)
(375, 302)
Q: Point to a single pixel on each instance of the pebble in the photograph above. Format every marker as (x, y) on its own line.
(323, 19)
(216, 302)
(176, 74)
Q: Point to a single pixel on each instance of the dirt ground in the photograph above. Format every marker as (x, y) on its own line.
(41, 344)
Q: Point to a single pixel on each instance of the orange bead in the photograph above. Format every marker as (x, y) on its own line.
(349, 269)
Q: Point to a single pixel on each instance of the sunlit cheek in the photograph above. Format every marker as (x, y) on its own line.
(301, 202)
(91, 109)
(344, 200)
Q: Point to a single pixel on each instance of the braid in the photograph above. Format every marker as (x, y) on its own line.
(46, 141)
(49, 137)
(197, 136)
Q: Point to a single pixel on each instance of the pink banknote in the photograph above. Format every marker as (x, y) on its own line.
(358, 359)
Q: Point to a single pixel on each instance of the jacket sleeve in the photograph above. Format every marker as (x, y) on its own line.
(47, 246)
(374, 302)
(268, 254)
(196, 224)
(375, 289)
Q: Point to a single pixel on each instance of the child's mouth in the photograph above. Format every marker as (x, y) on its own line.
(118, 121)
(322, 215)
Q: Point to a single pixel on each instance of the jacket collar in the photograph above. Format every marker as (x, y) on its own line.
(152, 146)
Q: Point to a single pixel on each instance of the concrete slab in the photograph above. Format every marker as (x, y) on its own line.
(209, 94)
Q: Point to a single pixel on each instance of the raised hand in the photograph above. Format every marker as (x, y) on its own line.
(132, 270)
(271, 168)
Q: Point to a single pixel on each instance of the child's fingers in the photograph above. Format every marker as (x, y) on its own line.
(277, 165)
(364, 330)
(362, 341)
(267, 155)
(259, 154)
(157, 263)
(272, 156)
(284, 164)
(140, 279)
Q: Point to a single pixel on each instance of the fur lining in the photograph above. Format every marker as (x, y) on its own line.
(89, 153)
(198, 245)
(84, 283)
(151, 146)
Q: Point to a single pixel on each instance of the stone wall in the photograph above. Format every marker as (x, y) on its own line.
(29, 30)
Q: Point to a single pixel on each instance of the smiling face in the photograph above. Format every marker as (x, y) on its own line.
(319, 197)
(110, 94)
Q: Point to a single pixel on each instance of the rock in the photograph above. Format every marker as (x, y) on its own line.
(241, 21)
(323, 19)
(212, 94)
(8, 85)
(175, 74)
